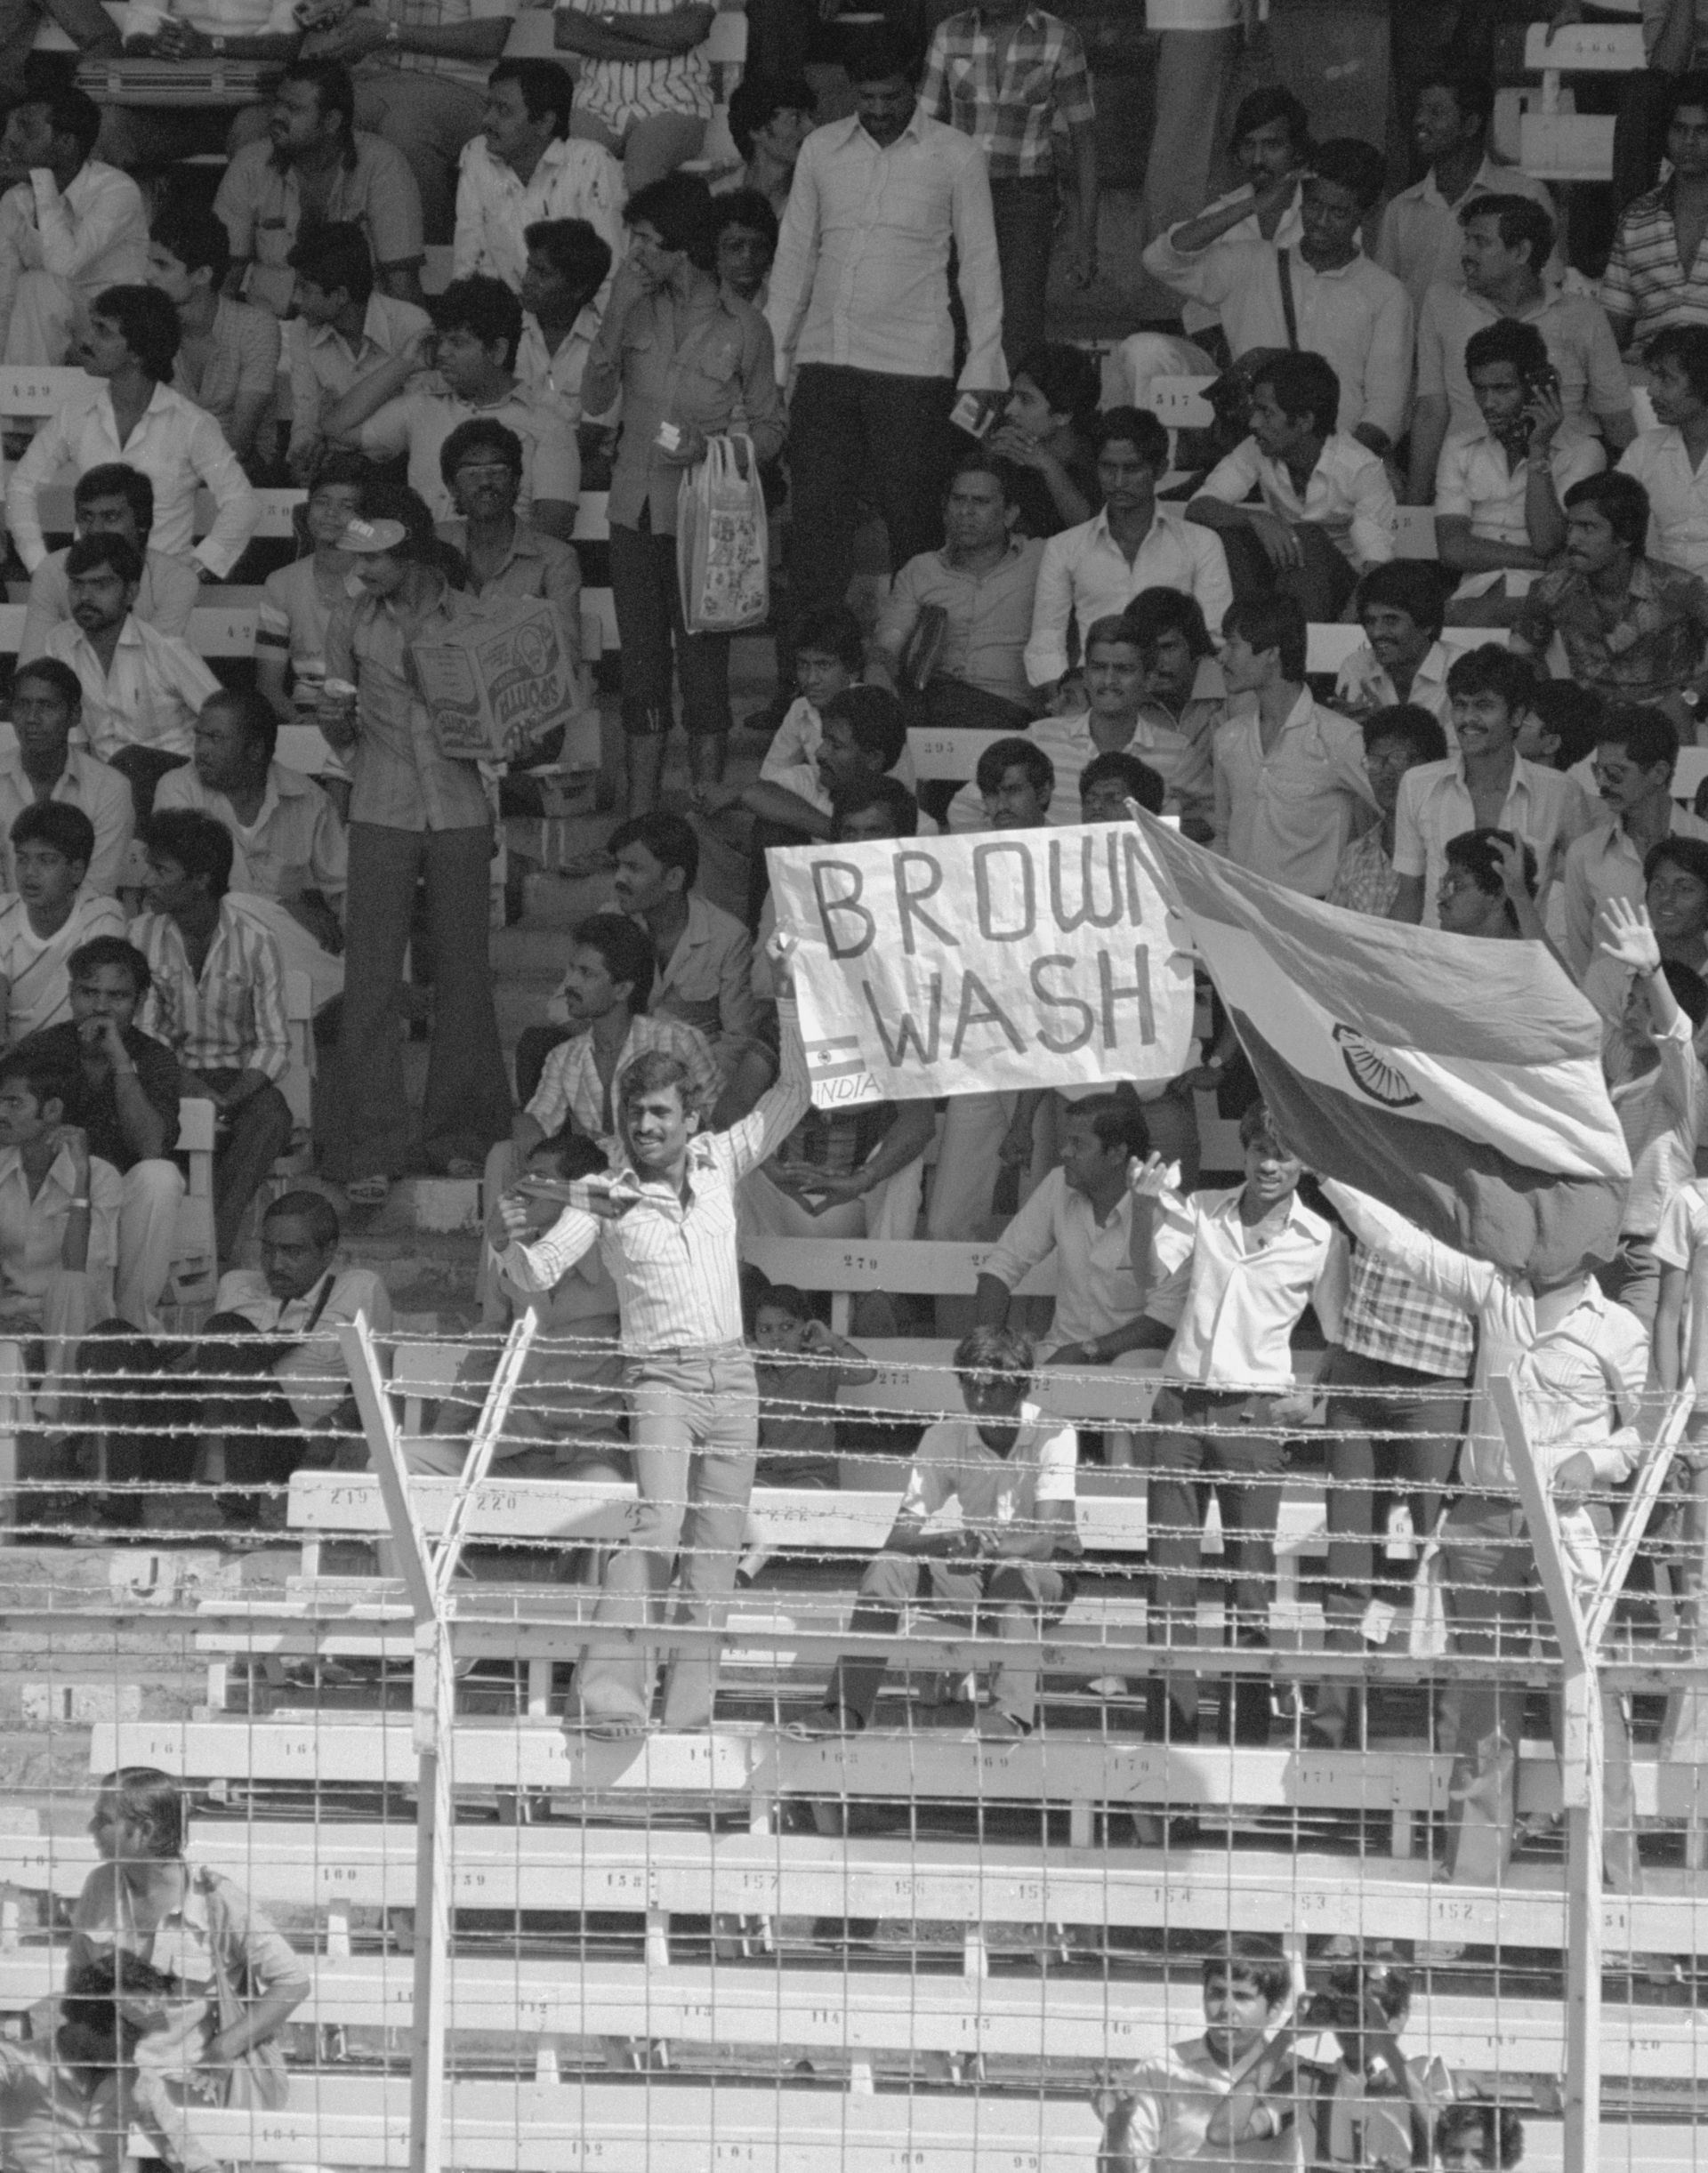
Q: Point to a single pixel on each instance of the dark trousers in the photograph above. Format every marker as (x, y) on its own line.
(468, 1105)
(1320, 586)
(650, 626)
(142, 769)
(859, 435)
(246, 1147)
(1024, 216)
(1017, 1599)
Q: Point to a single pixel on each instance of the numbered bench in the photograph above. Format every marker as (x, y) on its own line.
(1557, 143)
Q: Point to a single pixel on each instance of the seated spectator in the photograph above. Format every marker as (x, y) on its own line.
(1635, 758)
(1649, 285)
(1121, 719)
(1010, 1470)
(314, 157)
(643, 86)
(566, 267)
(142, 689)
(340, 333)
(1048, 430)
(59, 1210)
(770, 118)
(227, 352)
(1016, 782)
(146, 138)
(863, 813)
(526, 166)
(1396, 739)
(70, 225)
(1185, 696)
(1488, 887)
(218, 1002)
(744, 229)
(1499, 490)
(1108, 781)
(863, 734)
(122, 1089)
(111, 500)
(952, 634)
(801, 1366)
(131, 414)
(54, 913)
(1134, 543)
(1562, 723)
(1292, 791)
(1373, 2106)
(1666, 460)
(480, 324)
(1404, 659)
(298, 601)
(1484, 782)
(44, 767)
(1507, 241)
(291, 863)
(1633, 630)
(1477, 2138)
(830, 649)
(481, 465)
(1351, 314)
(1327, 512)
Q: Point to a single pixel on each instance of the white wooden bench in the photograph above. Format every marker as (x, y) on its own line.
(1555, 142)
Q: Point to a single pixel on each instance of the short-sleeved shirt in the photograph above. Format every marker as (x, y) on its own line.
(1682, 1242)
(323, 365)
(1544, 809)
(1010, 89)
(571, 1090)
(165, 597)
(100, 792)
(1420, 239)
(312, 1375)
(37, 967)
(260, 202)
(418, 422)
(995, 1493)
(620, 93)
(1645, 284)
(1181, 753)
(989, 621)
(1678, 498)
(1573, 328)
(1475, 481)
(295, 842)
(1654, 648)
(1365, 882)
(538, 565)
(96, 1105)
(1242, 1306)
(295, 612)
(1290, 814)
(215, 1916)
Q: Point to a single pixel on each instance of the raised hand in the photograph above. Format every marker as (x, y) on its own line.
(1627, 936)
(1150, 1179)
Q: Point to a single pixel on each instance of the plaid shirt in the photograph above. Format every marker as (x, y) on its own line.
(1011, 104)
(1644, 280)
(1654, 648)
(1388, 1315)
(1365, 882)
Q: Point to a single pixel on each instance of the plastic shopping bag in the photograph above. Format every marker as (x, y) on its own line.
(722, 544)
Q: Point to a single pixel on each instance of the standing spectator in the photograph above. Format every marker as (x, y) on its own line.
(414, 813)
(217, 1000)
(343, 332)
(1635, 758)
(1633, 630)
(1499, 490)
(1403, 658)
(1655, 278)
(1420, 239)
(54, 913)
(859, 314)
(480, 328)
(1507, 241)
(745, 229)
(481, 462)
(1373, 2106)
(131, 416)
(70, 226)
(1326, 296)
(111, 500)
(1015, 79)
(1484, 783)
(770, 118)
(1395, 740)
(227, 352)
(1134, 543)
(297, 602)
(567, 266)
(1328, 512)
(1292, 791)
(1048, 432)
(524, 167)
(643, 86)
(123, 1090)
(690, 362)
(142, 689)
(315, 169)
(694, 1398)
(1668, 460)
(46, 708)
(1009, 1468)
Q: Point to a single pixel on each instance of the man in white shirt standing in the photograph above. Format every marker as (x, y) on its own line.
(1095, 570)
(859, 316)
(525, 166)
(69, 226)
(1668, 462)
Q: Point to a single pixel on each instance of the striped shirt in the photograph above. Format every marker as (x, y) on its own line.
(230, 1016)
(38, 983)
(1645, 285)
(675, 1262)
(571, 1089)
(621, 91)
(1390, 1316)
(1010, 88)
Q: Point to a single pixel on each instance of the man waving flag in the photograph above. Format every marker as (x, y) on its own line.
(1458, 1080)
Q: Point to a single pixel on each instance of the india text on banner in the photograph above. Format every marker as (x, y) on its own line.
(967, 965)
(1459, 1080)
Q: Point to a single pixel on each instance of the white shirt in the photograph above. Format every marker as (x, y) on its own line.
(1603, 864)
(1542, 807)
(1474, 482)
(1420, 239)
(323, 364)
(1359, 317)
(574, 179)
(1290, 814)
(555, 378)
(92, 234)
(152, 696)
(313, 1376)
(1184, 761)
(175, 444)
(32, 1234)
(1288, 234)
(1573, 328)
(1660, 1113)
(1095, 1287)
(1242, 1306)
(1348, 495)
(103, 793)
(1084, 576)
(37, 966)
(862, 265)
(1678, 497)
(418, 422)
(1365, 684)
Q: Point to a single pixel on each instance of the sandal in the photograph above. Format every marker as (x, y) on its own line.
(367, 1191)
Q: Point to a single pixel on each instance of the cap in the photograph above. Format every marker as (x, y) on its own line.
(369, 536)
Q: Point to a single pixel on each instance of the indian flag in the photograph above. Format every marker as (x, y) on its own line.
(1456, 1079)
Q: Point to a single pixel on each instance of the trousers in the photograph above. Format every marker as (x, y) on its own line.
(650, 627)
(1016, 1600)
(1024, 213)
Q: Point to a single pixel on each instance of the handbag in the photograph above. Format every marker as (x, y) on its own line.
(723, 541)
(923, 651)
(258, 2080)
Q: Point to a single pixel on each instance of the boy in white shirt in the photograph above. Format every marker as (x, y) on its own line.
(53, 915)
